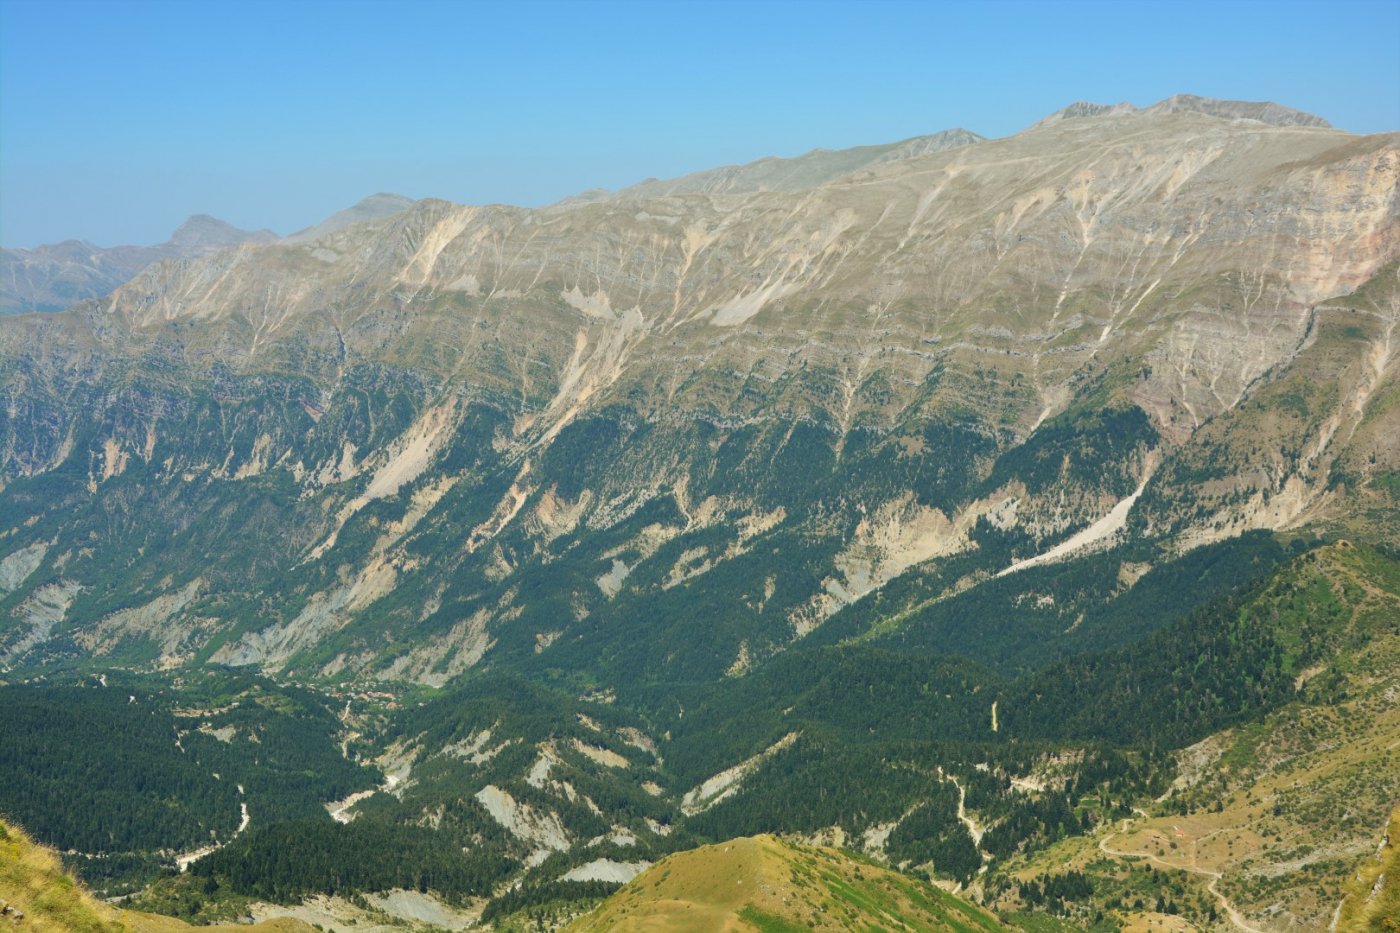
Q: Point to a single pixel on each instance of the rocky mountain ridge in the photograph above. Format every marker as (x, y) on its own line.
(1260, 111)
(677, 433)
(57, 275)
(810, 170)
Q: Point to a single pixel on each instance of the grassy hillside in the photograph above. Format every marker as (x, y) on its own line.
(764, 884)
(35, 892)
(1372, 904)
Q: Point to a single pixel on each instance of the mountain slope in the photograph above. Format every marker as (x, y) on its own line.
(1271, 818)
(811, 170)
(765, 884)
(668, 438)
(1373, 897)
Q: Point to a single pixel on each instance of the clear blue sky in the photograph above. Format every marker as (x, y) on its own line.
(119, 119)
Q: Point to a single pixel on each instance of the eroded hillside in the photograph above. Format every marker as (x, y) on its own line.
(672, 434)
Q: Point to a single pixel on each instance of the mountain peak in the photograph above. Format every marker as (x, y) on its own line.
(374, 207)
(1086, 108)
(205, 232)
(1261, 111)
(383, 200)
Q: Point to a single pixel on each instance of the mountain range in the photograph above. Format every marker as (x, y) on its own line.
(55, 276)
(635, 399)
(979, 427)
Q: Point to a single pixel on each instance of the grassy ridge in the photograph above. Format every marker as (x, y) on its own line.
(764, 884)
(1372, 904)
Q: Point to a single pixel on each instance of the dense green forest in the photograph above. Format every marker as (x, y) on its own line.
(134, 768)
(99, 770)
(880, 731)
(288, 859)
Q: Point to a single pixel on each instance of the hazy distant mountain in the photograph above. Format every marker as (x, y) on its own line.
(52, 277)
(202, 234)
(55, 276)
(374, 207)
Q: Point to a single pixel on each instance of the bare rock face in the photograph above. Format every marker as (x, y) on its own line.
(743, 400)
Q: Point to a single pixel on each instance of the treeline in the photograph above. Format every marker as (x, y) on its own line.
(1231, 659)
(1033, 822)
(1024, 621)
(546, 902)
(866, 693)
(1056, 892)
(820, 781)
(285, 753)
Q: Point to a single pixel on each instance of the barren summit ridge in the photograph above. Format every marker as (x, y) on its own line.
(1261, 111)
(816, 168)
(374, 207)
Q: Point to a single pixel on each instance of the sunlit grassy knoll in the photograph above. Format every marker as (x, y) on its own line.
(768, 885)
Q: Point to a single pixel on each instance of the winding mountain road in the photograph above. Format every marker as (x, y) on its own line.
(974, 830)
(189, 858)
(1236, 917)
